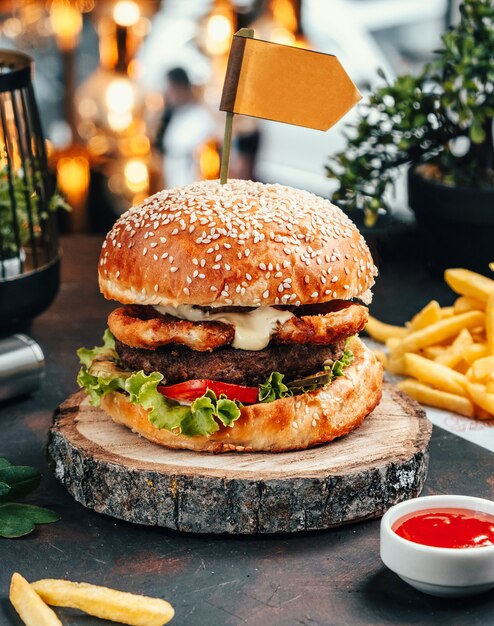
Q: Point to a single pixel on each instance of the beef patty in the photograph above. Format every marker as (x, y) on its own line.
(241, 367)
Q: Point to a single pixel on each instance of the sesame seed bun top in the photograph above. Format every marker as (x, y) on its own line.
(239, 244)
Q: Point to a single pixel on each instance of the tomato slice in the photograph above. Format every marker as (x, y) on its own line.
(190, 390)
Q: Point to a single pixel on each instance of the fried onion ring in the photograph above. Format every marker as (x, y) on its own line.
(143, 327)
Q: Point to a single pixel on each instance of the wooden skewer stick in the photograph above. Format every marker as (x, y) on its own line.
(227, 139)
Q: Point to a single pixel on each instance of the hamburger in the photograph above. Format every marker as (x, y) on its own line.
(240, 306)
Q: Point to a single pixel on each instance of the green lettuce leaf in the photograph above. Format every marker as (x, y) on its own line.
(106, 351)
(338, 367)
(274, 388)
(100, 374)
(200, 419)
(163, 412)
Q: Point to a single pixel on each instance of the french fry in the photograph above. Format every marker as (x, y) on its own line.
(471, 284)
(489, 324)
(396, 365)
(434, 397)
(428, 315)
(447, 311)
(392, 342)
(464, 304)
(452, 355)
(440, 331)
(462, 367)
(118, 606)
(30, 607)
(434, 352)
(382, 332)
(481, 414)
(489, 385)
(482, 369)
(481, 397)
(474, 352)
(491, 267)
(435, 374)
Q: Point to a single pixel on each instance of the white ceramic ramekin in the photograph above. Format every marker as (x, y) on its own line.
(445, 572)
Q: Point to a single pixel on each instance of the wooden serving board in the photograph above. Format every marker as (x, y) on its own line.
(110, 469)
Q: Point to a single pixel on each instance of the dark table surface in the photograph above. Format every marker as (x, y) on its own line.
(334, 577)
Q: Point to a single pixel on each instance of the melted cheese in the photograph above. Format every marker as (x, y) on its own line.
(253, 329)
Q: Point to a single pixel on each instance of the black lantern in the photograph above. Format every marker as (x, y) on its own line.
(29, 253)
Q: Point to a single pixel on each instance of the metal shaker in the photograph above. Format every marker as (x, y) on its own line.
(21, 366)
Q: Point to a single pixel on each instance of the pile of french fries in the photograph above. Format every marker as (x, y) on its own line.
(31, 603)
(447, 353)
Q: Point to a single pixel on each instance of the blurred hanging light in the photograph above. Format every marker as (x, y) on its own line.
(284, 14)
(209, 160)
(283, 36)
(287, 29)
(126, 13)
(73, 178)
(219, 28)
(136, 175)
(13, 27)
(119, 99)
(73, 181)
(66, 21)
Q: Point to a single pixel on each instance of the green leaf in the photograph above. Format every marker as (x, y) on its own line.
(107, 350)
(477, 133)
(37, 514)
(13, 526)
(274, 388)
(21, 479)
(4, 489)
(4, 462)
(163, 412)
(200, 420)
(227, 411)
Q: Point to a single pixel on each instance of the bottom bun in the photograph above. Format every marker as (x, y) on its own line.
(294, 423)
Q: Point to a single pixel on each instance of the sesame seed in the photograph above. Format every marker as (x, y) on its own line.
(265, 294)
(186, 291)
(144, 252)
(173, 269)
(314, 294)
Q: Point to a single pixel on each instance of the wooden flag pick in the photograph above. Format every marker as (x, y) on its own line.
(283, 84)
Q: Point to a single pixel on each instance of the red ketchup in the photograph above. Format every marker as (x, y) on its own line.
(447, 528)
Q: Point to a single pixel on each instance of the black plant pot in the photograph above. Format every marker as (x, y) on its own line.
(25, 296)
(456, 224)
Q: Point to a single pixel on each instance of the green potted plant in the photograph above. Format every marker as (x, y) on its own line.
(440, 125)
(20, 231)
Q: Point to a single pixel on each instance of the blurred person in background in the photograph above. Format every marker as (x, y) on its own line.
(185, 126)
